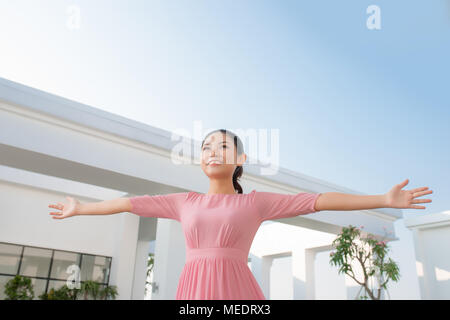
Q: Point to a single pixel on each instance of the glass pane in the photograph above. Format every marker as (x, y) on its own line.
(61, 262)
(95, 268)
(3, 281)
(35, 262)
(54, 284)
(9, 258)
(38, 287)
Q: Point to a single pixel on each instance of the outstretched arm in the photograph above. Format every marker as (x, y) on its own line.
(73, 207)
(395, 198)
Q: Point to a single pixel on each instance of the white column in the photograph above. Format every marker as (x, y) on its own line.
(299, 273)
(140, 270)
(170, 256)
(425, 274)
(261, 270)
(123, 262)
(310, 257)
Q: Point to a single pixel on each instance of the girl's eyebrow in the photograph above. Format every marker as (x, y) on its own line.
(209, 143)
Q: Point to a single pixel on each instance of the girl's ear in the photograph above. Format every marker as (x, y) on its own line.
(244, 159)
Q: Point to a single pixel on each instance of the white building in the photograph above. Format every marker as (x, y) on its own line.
(51, 147)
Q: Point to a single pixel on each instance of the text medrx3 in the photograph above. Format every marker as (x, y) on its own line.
(227, 309)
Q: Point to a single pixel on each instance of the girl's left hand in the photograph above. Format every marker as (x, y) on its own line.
(404, 199)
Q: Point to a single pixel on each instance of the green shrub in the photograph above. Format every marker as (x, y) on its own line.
(19, 288)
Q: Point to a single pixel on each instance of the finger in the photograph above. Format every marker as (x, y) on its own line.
(55, 213)
(418, 194)
(421, 201)
(54, 206)
(404, 183)
(417, 207)
(58, 217)
(418, 189)
(60, 204)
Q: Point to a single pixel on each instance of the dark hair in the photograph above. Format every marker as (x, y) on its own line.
(240, 149)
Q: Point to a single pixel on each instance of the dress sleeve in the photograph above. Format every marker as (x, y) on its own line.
(273, 205)
(158, 206)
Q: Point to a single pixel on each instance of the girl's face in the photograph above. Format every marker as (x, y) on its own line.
(219, 147)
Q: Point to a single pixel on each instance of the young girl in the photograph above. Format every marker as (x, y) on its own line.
(219, 226)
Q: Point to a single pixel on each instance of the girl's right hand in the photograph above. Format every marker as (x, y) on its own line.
(68, 209)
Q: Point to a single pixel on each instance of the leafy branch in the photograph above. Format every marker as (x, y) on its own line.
(370, 254)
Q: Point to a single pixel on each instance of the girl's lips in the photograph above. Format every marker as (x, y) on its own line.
(214, 164)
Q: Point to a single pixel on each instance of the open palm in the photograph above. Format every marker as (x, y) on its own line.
(67, 209)
(405, 199)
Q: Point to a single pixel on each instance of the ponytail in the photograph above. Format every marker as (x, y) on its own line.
(236, 175)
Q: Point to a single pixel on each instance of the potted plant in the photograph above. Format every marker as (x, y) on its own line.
(19, 288)
(109, 293)
(92, 289)
(63, 293)
(88, 289)
(370, 254)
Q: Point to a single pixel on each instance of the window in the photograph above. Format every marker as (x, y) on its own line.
(48, 268)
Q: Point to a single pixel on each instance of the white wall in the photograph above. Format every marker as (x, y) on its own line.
(436, 242)
(281, 284)
(431, 234)
(25, 220)
(329, 285)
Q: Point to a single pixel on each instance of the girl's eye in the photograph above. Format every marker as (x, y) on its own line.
(208, 148)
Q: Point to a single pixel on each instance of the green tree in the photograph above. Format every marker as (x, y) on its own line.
(371, 255)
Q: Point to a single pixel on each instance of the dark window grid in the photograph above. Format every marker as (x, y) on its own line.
(89, 254)
(79, 264)
(109, 270)
(49, 271)
(51, 263)
(20, 261)
(94, 255)
(81, 253)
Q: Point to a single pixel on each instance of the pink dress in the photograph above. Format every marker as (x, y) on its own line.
(219, 230)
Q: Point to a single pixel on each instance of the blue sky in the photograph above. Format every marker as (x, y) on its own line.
(360, 108)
